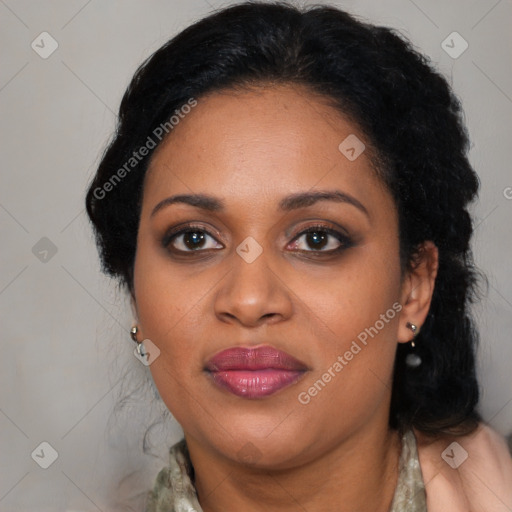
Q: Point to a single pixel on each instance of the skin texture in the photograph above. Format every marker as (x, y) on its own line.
(250, 149)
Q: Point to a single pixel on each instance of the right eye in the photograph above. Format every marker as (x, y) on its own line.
(189, 239)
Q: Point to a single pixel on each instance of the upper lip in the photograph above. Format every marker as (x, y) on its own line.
(253, 358)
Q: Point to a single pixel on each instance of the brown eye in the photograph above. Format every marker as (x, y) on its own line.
(191, 240)
(317, 239)
(321, 239)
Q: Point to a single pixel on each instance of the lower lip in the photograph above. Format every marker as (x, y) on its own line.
(255, 383)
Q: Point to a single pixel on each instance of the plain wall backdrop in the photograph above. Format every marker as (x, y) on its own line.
(68, 375)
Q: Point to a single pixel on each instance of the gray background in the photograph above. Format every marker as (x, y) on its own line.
(66, 354)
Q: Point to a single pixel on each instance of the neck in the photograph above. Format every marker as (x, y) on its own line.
(359, 473)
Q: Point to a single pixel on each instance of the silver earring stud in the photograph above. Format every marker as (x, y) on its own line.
(140, 346)
(412, 360)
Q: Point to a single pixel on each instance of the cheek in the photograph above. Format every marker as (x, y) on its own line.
(168, 313)
(354, 315)
(352, 376)
(163, 306)
(359, 294)
(166, 294)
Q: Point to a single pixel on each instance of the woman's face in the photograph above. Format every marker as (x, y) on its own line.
(247, 275)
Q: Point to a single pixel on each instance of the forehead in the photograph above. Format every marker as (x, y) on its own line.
(262, 143)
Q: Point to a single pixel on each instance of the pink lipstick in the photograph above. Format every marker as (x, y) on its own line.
(254, 372)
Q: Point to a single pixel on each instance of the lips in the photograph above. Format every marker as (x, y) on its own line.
(254, 372)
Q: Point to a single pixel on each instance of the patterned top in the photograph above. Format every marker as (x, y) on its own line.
(174, 491)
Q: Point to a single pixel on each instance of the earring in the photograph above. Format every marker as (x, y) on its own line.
(140, 347)
(412, 360)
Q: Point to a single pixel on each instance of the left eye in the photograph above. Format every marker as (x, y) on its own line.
(319, 239)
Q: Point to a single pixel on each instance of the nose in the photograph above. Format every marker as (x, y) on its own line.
(253, 293)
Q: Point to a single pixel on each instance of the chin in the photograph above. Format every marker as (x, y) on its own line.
(264, 443)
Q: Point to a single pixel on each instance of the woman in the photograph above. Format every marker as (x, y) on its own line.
(285, 200)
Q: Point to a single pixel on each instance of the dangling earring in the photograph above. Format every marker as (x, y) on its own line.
(140, 347)
(412, 360)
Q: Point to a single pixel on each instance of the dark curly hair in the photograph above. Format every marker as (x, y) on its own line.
(402, 105)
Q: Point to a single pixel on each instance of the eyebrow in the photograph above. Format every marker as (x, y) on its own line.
(288, 203)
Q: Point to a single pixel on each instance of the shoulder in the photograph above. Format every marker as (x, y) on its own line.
(470, 473)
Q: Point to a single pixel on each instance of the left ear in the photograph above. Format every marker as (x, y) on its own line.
(417, 289)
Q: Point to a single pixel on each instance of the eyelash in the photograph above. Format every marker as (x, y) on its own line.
(345, 241)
